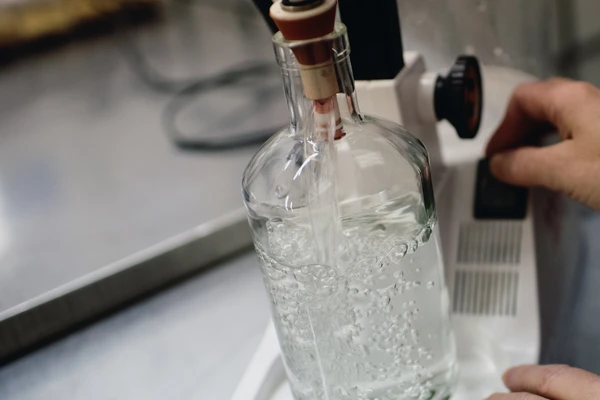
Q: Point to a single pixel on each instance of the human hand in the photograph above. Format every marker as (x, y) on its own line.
(550, 382)
(571, 166)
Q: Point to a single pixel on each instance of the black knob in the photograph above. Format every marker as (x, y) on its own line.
(458, 97)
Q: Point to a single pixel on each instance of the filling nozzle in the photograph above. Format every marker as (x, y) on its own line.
(304, 22)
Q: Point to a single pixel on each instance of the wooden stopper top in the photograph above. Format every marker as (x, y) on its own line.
(315, 58)
(307, 23)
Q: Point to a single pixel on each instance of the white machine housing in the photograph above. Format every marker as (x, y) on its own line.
(490, 264)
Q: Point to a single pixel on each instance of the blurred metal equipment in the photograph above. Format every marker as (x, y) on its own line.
(22, 21)
(510, 33)
(98, 206)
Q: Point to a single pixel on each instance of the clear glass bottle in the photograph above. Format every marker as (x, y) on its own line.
(345, 230)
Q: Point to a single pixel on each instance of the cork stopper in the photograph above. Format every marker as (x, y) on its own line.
(306, 20)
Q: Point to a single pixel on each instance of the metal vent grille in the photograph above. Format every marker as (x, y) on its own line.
(490, 293)
(497, 242)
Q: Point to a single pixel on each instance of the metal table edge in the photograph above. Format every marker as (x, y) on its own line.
(55, 312)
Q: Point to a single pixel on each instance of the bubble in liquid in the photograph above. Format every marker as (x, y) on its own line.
(388, 337)
(413, 246)
(281, 192)
(275, 275)
(383, 263)
(365, 263)
(425, 235)
(498, 51)
(320, 271)
(398, 253)
(430, 284)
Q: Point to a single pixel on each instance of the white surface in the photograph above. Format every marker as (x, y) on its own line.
(426, 97)
(397, 100)
(267, 373)
(487, 344)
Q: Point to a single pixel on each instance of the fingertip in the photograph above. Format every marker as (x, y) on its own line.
(507, 376)
(511, 375)
(518, 167)
(497, 162)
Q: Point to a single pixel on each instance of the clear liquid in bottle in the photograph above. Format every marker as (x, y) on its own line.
(345, 231)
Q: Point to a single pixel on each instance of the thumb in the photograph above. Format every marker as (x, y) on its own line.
(534, 166)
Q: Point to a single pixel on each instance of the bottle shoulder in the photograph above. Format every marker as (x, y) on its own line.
(377, 164)
(373, 136)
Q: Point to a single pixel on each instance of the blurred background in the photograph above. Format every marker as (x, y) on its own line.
(125, 126)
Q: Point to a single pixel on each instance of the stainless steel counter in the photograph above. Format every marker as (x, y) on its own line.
(189, 342)
(88, 176)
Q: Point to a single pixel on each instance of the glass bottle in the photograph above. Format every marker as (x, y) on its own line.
(344, 225)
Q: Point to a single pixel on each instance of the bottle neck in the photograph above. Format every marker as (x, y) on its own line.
(302, 84)
(301, 109)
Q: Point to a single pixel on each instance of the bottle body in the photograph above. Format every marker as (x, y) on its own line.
(344, 226)
(376, 324)
(374, 327)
